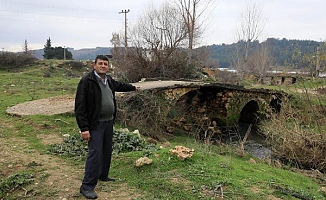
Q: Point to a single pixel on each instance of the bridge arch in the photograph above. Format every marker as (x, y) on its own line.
(249, 113)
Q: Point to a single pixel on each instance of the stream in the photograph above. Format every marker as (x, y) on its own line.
(255, 144)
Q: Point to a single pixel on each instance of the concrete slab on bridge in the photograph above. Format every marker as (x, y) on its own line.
(159, 84)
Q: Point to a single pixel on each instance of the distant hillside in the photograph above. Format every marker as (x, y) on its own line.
(80, 54)
(90, 54)
(282, 50)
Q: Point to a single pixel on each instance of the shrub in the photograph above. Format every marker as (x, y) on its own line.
(9, 59)
(297, 133)
(144, 110)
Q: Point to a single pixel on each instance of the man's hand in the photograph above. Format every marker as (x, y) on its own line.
(86, 135)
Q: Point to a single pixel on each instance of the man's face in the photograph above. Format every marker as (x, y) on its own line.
(101, 66)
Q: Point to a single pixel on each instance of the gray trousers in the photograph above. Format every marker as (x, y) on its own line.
(99, 155)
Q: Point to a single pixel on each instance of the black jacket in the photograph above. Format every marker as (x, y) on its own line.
(88, 100)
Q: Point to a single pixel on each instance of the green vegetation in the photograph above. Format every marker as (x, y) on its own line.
(75, 148)
(213, 172)
(291, 53)
(14, 182)
(55, 52)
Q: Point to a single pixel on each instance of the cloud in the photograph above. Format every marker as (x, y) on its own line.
(88, 24)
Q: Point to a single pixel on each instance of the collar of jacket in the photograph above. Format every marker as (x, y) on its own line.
(92, 77)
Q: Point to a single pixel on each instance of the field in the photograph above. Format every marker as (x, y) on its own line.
(28, 169)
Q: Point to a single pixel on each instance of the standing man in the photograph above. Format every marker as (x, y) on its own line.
(95, 110)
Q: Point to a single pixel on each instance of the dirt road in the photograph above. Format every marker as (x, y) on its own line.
(65, 104)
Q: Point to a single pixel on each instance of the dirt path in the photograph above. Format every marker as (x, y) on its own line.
(49, 106)
(54, 178)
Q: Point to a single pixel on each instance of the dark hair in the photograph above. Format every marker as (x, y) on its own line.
(101, 57)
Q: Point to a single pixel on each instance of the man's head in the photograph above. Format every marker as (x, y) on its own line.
(101, 57)
(101, 64)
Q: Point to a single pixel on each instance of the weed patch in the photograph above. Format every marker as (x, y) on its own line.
(74, 147)
(288, 191)
(15, 182)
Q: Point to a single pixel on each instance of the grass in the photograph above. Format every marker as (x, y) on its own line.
(215, 171)
(206, 173)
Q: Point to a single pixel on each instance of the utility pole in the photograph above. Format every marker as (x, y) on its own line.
(317, 62)
(125, 12)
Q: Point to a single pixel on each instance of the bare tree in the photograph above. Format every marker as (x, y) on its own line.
(237, 58)
(194, 15)
(115, 40)
(160, 29)
(155, 41)
(252, 24)
(260, 61)
(117, 51)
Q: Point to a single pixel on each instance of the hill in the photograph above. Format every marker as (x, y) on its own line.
(80, 54)
(281, 50)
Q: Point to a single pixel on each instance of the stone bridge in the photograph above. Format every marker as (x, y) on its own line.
(220, 104)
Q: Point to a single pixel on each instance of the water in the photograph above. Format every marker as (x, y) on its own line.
(257, 150)
(256, 143)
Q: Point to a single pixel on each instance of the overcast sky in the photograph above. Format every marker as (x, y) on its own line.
(89, 24)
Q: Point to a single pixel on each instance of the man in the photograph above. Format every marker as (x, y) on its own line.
(95, 110)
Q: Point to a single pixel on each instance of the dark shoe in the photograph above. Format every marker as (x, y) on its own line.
(107, 179)
(89, 194)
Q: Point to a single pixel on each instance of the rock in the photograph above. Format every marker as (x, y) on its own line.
(201, 110)
(170, 129)
(187, 127)
(277, 164)
(136, 132)
(151, 140)
(183, 120)
(252, 161)
(143, 161)
(182, 152)
(124, 130)
(165, 144)
(323, 190)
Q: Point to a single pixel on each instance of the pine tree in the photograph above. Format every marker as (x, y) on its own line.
(47, 48)
(25, 47)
